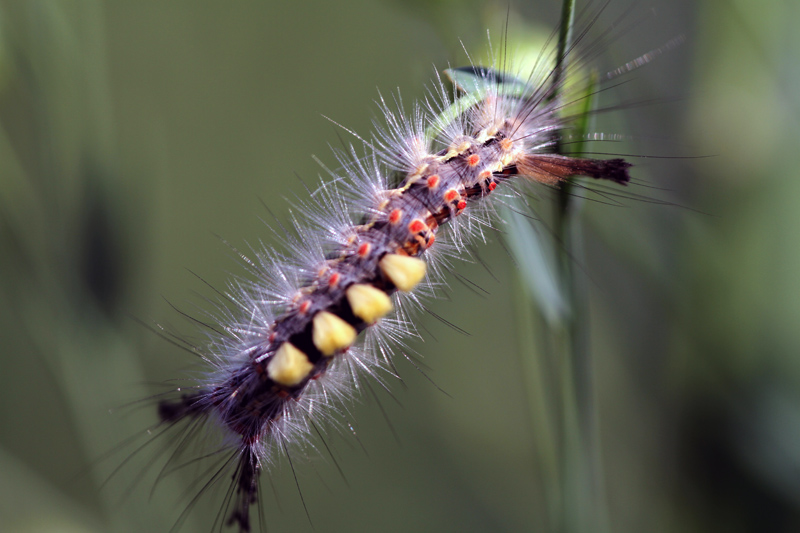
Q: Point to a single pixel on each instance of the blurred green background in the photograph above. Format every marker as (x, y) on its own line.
(132, 133)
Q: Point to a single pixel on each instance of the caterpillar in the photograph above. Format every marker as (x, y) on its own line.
(288, 344)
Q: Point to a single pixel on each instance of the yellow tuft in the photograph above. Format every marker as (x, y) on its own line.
(331, 333)
(404, 271)
(289, 366)
(368, 303)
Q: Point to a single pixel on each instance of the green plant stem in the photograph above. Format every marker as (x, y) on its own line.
(582, 503)
(582, 469)
(564, 44)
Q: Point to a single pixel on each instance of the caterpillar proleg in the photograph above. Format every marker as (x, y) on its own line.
(290, 343)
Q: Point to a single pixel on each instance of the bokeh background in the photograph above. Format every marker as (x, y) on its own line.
(134, 133)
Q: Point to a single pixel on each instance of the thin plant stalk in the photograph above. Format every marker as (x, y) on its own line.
(582, 467)
(582, 502)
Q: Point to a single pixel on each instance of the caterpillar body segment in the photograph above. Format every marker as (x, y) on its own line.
(368, 303)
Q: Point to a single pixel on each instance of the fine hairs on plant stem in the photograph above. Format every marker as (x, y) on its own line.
(290, 344)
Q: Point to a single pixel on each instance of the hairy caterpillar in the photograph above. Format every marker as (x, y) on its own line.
(282, 347)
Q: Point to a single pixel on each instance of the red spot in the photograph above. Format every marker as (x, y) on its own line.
(430, 240)
(272, 337)
(416, 226)
(363, 250)
(461, 205)
(334, 279)
(473, 160)
(485, 175)
(304, 306)
(394, 216)
(492, 185)
(451, 195)
(433, 181)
